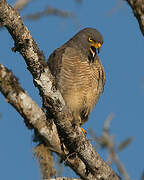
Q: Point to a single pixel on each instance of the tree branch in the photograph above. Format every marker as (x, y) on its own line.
(138, 11)
(36, 118)
(48, 11)
(33, 115)
(20, 4)
(72, 137)
(106, 140)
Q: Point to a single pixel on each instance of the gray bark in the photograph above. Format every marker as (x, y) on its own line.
(89, 164)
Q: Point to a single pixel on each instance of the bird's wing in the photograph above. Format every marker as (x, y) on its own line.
(58, 56)
(101, 72)
(55, 61)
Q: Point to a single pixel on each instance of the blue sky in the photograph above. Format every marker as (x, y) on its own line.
(123, 59)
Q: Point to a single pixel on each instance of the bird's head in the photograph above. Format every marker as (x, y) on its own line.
(89, 41)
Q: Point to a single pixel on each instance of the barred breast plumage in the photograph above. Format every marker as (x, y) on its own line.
(80, 81)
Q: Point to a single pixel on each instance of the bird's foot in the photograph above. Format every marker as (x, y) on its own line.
(84, 131)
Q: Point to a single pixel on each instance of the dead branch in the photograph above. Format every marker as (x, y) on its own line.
(35, 118)
(20, 4)
(138, 11)
(142, 176)
(47, 12)
(33, 115)
(72, 137)
(106, 140)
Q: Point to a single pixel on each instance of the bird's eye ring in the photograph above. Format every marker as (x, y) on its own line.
(90, 40)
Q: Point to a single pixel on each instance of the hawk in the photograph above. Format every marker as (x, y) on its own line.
(79, 74)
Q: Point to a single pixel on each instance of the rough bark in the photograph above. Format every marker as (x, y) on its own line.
(33, 115)
(35, 118)
(72, 137)
(138, 11)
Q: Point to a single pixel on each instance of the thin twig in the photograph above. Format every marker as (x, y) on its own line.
(48, 11)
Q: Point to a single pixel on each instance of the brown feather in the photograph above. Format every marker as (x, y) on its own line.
(79, 81)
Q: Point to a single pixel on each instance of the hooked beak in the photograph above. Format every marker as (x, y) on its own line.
(97, 46)
(94, 48)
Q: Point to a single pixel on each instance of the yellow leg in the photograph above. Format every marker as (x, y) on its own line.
(79, 124)
(84, 131)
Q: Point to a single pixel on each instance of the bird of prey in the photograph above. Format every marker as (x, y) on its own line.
(79, 74)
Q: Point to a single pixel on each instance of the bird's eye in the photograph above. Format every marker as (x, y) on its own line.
(90, 40)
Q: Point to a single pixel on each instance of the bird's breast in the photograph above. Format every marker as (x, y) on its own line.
(79, 83)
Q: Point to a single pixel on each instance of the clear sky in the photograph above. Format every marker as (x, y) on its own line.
(123, 59)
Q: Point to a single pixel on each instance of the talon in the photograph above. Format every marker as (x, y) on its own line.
(85, 133)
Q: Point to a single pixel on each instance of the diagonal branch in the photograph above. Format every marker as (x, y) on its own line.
(20, 4)
(33, 115)
(106, 140)
(138, 11)
(36, 118)
(49, 11)
(72, 137)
